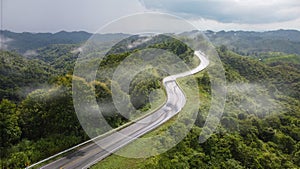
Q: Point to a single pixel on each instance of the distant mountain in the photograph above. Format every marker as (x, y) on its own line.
(291, 35)
(253, 43)
(24, 42)
(242, 42)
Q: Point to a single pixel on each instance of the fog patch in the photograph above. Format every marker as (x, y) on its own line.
(30, 53)
(29, 89)
(252, 99)
(138, 42)
(76, 50)
(4, 42)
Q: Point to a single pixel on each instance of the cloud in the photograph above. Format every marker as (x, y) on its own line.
(208, 24)
(149, 22)
(90, 15)
(69, 15)
(230, 11)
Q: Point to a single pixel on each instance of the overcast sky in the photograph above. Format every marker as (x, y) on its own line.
(90, 15)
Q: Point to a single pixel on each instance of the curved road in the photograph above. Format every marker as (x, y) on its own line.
(92, 153)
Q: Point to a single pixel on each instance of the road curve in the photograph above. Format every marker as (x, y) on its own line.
(92, 153)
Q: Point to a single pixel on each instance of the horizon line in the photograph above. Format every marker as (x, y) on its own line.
(73, 31)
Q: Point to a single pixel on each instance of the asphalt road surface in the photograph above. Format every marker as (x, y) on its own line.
(92, 153)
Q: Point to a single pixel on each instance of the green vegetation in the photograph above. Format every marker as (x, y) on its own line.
(23, 42)
(260, 136)
(242, 42)
(259, 129)
(19, 76)
(43, 122)
(254, 43)
(60, 57)
(275, 57)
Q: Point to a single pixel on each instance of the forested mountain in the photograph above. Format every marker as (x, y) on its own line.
(22, 42)
(19, 76)
(243, 42)
(254, 43)
(26, 42)
(44, 122)
(61, 57)
(259, 129)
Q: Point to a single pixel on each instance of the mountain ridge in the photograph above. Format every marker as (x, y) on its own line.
(243, 42)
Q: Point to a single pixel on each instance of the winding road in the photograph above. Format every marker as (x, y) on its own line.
(90, 154)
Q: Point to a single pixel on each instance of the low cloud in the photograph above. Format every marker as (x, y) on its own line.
(4, 42)
(76, 50)
(30, 53)
(252, 98)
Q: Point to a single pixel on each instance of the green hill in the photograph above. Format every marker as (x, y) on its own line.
(20, 76)
(260, 125)
(22, 42)
(253, 43)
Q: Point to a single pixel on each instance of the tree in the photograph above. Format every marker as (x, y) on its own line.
(223, 48)
(46, 112)
(9, 127)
